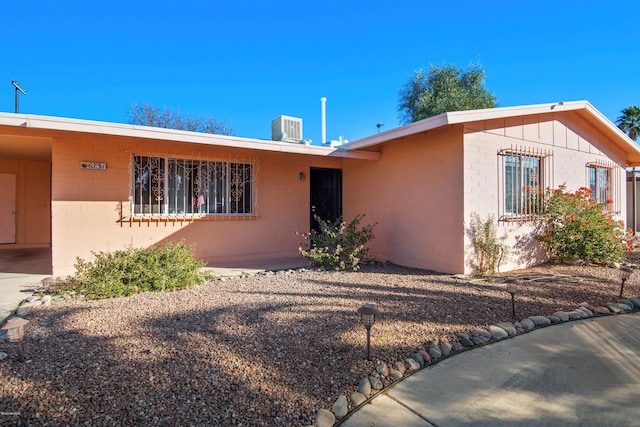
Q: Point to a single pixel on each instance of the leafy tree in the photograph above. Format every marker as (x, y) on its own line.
(443, 89)
(629, 121)
(150, 115)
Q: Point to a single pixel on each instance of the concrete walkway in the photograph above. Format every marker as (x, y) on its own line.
(583, 373)
(20, 270)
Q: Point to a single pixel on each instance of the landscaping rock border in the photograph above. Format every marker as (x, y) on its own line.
(369, 387)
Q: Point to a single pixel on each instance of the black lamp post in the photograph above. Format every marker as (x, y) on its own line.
(512, 288)
(368, 315)
(15, 332)
(625, 273)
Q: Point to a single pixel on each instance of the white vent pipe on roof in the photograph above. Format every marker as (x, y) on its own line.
(323, 103)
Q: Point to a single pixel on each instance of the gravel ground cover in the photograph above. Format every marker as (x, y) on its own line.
(263, 350)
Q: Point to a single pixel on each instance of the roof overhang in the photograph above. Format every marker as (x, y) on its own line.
(47, 123)
(582, 108)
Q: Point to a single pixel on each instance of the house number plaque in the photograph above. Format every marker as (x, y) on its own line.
(96, 166)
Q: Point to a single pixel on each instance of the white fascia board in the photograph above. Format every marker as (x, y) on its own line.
(145, 132)
(410, 129)
(458, 117)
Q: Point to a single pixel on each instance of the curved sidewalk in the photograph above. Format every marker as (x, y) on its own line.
(584, 372)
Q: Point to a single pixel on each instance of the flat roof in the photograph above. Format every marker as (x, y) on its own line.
(146, 132)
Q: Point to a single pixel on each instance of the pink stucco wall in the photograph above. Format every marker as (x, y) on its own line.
(87, 204)
(573, 142)
(414, 194)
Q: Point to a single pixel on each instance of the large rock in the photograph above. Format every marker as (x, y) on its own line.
(601, 310)
(341, 407)
(364, 387)
(624, 307)
(479, 340)
(527, 324)
(613, 308)
(456, 346)
(586, 310)
(507, 327)
(413, 365)
(434, 351)
(446, 348)
(376, 384)
(418, 358)
(325, 418)
(498, 333)
(395, 374)
(358, 398)
(24, 310)
(540, 320)
(575, 315)
(554, 319)
(481, 333)
(635, 301)
(465, 341)
(561, 315)
(425, 356)
(383, 370)
(400, 367)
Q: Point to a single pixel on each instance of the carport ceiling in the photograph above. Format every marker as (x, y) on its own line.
(25, 147)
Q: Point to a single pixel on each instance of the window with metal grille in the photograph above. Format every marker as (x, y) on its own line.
(599, 183)
(171, 186)
(525, 175)
(599, 179)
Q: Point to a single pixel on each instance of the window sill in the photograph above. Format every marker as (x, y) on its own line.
(522, 218)
(192, 218)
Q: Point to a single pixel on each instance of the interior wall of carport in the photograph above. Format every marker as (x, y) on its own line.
(414, 194)
(87, 204)
(33, 201)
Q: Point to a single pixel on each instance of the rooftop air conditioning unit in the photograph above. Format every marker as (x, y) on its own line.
(286, 128)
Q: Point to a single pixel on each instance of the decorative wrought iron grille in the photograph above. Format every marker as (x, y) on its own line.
(604, 184)
(186, 187)
(526, 172)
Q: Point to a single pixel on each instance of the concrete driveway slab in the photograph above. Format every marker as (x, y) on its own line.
(583, 373)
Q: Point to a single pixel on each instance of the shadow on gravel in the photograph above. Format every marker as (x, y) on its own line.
(237, 353)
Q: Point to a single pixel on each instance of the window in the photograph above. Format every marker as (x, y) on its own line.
(168, 186)
(526, 173)
(599, 177)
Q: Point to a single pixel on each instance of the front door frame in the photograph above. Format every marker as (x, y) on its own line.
(325, 195)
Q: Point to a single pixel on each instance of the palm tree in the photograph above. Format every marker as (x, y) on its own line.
(629, 121)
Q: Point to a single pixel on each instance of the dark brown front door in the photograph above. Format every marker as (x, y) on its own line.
(326, 195)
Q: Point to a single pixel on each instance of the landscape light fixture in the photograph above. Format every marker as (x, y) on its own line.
(15, 332)
(368, 315)
(625, 273)
(512, 288)
(18, 91)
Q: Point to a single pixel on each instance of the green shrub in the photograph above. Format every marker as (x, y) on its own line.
(126, 272)
(490, 250)
(337, 245)
(578, 227)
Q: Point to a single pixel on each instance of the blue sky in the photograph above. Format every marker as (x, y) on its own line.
(248, 62)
